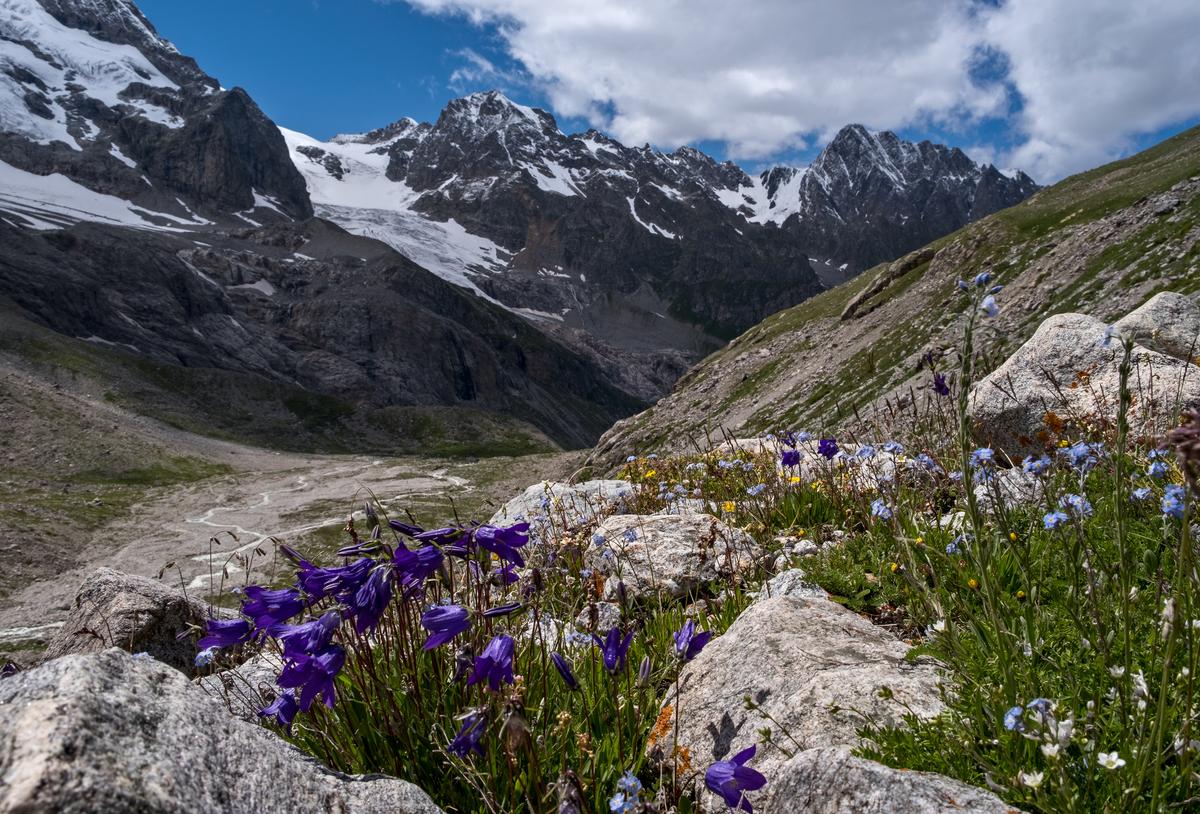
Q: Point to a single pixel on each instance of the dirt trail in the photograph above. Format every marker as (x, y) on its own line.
(283, 496)
(57, 432)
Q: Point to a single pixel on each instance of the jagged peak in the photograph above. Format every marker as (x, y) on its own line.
(118, 21)
(491, 110)
(401, 128)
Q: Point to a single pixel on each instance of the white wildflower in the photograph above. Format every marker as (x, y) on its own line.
(1032, 779)
(1063, 730)
(1050, 750)
(1110, 760)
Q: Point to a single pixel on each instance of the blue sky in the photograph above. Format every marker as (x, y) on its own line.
(323, 67)
(1051, 86)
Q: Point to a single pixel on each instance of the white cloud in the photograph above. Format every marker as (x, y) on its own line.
(1095, 73)
(476, 68)
(767, 75)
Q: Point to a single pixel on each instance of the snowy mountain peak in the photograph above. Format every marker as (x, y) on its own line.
(382, 136)
(91, 93)
(482, 113)
(113, 20)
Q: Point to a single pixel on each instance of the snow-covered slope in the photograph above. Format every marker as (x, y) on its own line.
(47, 68)
(89, 91)
(53, 201)
(347, 182)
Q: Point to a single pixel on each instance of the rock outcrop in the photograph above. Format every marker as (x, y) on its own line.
(557, 506)
(1067, 375)
(831, 781)
(114, 733)
(670, 554)
(1168, 323)
(300, 327)
(248, 687)
(133, 613)
(815, 667)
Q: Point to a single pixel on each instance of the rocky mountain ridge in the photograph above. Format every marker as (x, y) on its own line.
(623, 265)
(90, 91)
(630, 248)
(303, 325)
(1100, 243)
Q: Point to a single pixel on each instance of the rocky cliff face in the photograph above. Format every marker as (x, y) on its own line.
(645, 260)
(627, 253)
(89, 90)
(304, 308)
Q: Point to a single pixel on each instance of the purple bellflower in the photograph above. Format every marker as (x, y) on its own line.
(504, 542)
(314, 675)
(731, 779)
(225, 633)
(283, 709)
(474, 726)
(268, 607)
(444, 622)
(342, 581)
(564, 669)
(689, 643)
(299, 640)
(417, 566)
(495, 664)
(371, 599)
(614, 649)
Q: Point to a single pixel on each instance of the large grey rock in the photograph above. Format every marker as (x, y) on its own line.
(670, 554)
(108, 732)
(113, 609)
(1009, 487)
(1065, 369)
(792, 582)
(814, 666)
(1168, 323)
(831, 781)
(248, 687)
(554, 506)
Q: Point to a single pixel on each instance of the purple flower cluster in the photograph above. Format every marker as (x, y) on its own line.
(362, 590)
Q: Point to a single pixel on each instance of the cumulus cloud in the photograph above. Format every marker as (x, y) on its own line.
(768, 75)
(1095, 73)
